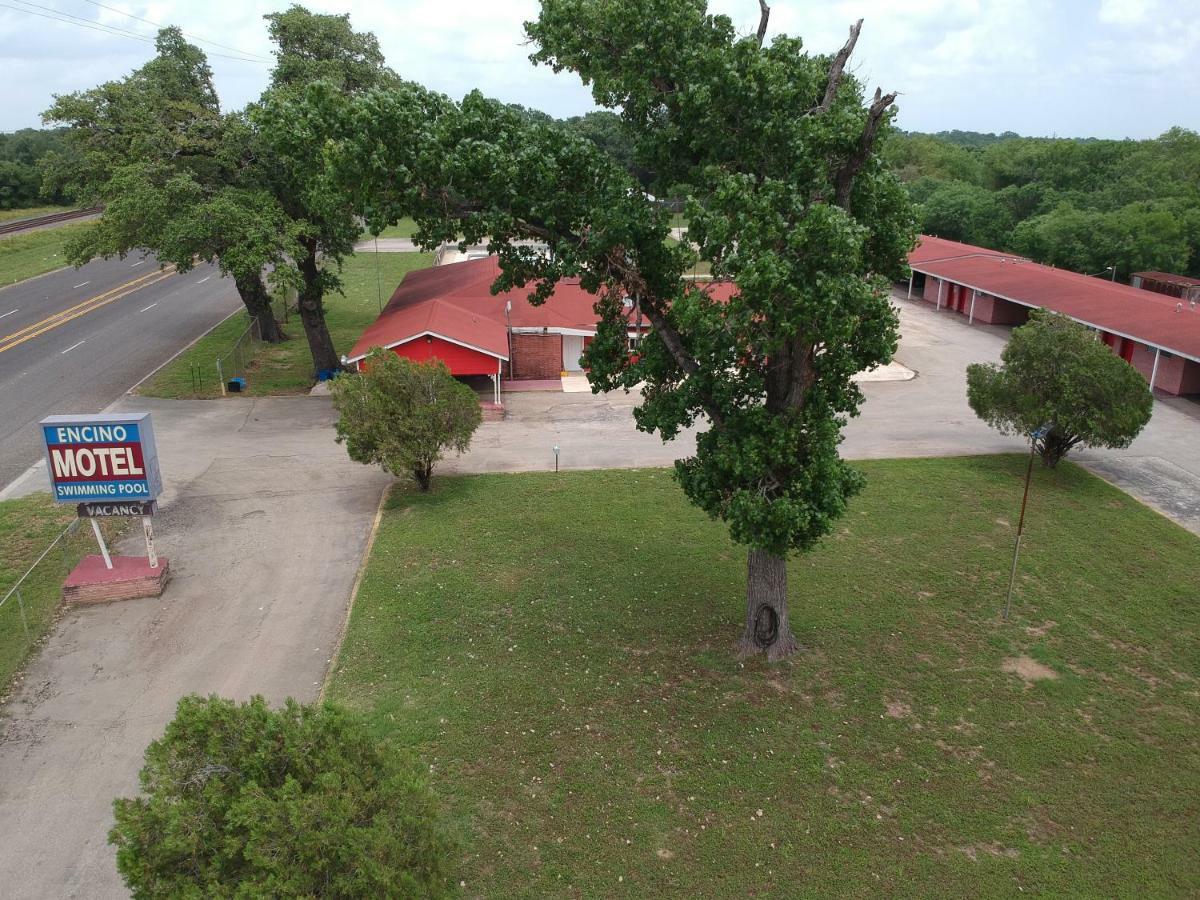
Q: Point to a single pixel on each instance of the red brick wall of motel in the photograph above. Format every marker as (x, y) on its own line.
(535, 356)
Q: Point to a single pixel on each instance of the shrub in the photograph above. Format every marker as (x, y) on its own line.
(1058, 380)
(243, 800)
(402, 415)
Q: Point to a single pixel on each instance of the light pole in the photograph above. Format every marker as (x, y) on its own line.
(556, 457)
(1012, 575)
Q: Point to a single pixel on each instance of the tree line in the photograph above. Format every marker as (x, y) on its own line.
(1083, 205)
(21, 184)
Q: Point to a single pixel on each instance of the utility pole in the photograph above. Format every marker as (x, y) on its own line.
(1012, 575)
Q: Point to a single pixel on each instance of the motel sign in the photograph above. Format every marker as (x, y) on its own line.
(102, 458)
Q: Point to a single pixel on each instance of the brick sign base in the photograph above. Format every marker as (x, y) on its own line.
(130, 578)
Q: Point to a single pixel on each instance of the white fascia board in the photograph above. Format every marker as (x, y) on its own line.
(448, 340)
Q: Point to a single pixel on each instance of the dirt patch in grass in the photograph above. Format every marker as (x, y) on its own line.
(897, 709)
(1028, 668)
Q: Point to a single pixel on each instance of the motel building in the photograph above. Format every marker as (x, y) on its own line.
(1156, 333)
(448, 312)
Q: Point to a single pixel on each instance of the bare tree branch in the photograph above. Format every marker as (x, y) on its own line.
(843, 180)
(764, 16)
(838, 66)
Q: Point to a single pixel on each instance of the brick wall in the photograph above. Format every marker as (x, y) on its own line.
(535, 356)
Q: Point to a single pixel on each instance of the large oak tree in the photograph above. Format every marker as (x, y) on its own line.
(787, 196)
(178, 177)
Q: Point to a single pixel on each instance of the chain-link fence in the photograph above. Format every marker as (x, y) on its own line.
(232, 365)
(27, 605)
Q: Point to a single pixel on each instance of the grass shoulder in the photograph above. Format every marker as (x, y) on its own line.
(28, 525)
(31, 212)
(286, 368)
(34, 253)
(558, 649)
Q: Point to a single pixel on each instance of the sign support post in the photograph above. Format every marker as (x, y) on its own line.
(148, 528)
(100, 541)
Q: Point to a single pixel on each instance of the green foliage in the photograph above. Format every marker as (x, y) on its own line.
(403, 415)
(788, 199)
(21, 153)
(179, 177)
(1078, 204)
(1137, 237)
(1056, 373)
(239, 800)
(966, 212)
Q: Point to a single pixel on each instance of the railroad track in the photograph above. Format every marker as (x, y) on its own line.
(38, 221)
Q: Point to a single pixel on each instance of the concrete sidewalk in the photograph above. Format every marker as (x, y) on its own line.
(265, 520)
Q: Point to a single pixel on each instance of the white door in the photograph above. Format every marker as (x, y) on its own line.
(572, 350)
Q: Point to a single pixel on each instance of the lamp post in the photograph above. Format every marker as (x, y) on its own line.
(556, 457)
(1012, 575)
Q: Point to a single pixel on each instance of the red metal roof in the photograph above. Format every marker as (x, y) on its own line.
(1168, 278)
(1154, 319)
(931, 249)
(455, 302)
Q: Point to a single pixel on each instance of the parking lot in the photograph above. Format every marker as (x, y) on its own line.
(925, 416)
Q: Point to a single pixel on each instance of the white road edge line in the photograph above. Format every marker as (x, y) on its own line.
(151, 306)
(83, 284)
(204, 279)
(136, 264)
(9, 313)
(73, 346)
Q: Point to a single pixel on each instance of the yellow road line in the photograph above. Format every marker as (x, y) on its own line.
(82, 309)
(80, 305)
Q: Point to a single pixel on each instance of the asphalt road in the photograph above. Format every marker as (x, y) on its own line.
(75, 340)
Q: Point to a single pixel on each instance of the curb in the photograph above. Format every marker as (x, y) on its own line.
(358, 579)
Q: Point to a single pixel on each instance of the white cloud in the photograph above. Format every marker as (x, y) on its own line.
(1124, 12)
(1096, 67)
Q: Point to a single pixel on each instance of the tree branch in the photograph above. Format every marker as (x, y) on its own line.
(843, 181)
(764, 16)
(838, 66)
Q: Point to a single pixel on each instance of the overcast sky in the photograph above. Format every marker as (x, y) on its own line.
(1103, 68)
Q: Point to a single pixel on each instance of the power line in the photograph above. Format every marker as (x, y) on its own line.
(188, 36)
(93, 26)
(56, 15)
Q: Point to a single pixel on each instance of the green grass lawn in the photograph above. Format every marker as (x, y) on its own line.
(287, 368)
(32, 212)
(33, 253)
(402, 229)
(557, 650)
(27, 527)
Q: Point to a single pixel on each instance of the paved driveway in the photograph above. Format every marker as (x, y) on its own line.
(265, 521)
(926, 416)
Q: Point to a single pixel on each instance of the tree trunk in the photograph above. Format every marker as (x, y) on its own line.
(768, 629)
(424, 476)
(312, 314)
(258, 303)
(1053, 448)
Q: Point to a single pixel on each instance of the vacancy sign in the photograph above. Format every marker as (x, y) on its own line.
(102, 457)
